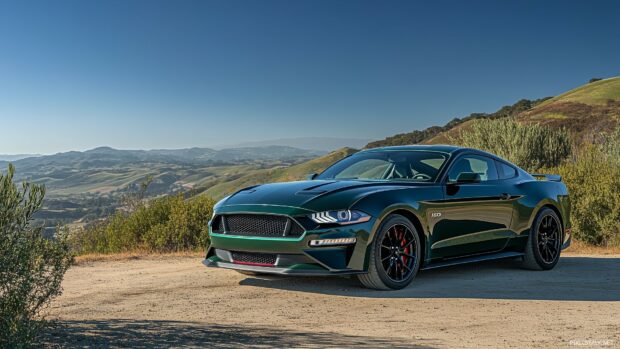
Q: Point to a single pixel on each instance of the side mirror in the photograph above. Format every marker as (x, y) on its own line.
(468, 177)
(311, 176)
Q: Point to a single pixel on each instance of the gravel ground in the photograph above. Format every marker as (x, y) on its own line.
(177, 302)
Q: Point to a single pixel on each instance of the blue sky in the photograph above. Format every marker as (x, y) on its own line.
(169, 74)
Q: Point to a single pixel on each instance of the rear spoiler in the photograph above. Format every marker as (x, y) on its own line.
(548, 177)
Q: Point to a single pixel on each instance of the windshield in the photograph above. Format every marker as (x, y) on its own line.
(414, 165)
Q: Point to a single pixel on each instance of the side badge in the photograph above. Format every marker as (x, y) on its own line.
(436, 214)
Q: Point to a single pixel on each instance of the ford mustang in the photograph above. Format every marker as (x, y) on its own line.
(383, 214)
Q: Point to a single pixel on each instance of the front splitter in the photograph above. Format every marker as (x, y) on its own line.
(278, 270)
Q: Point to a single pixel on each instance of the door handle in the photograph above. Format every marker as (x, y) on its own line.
(504, 196)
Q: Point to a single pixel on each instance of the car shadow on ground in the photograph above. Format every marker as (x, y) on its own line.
(165, 334)
(573, 279)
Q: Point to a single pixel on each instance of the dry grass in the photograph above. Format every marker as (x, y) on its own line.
(578, 247)
(97, 257)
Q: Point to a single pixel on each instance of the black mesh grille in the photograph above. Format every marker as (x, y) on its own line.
(254, 258)
(261, 225)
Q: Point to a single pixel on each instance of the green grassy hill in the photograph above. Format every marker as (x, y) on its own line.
(595, 93)
(586, 110)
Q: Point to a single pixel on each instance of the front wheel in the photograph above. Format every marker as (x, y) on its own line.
(395, 256)
(543, 248)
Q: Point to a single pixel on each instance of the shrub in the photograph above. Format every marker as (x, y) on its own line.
(592, 180)
(529, 146)
(166, 224)
(31, 266)
(592, 174)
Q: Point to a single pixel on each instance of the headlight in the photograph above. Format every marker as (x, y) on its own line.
(340, 217)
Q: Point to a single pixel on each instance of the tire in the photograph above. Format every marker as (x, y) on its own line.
(402, 259)
(543, 248)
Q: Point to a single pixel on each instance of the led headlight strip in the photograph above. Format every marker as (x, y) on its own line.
(340, 217)
(333, 242)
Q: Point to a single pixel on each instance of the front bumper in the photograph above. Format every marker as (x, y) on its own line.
(295, 256)
(278, 270)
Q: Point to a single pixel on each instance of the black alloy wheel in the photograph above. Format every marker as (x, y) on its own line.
(395, 257)
(544, 244)
(398, 252)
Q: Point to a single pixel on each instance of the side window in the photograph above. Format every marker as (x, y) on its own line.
(506, 171)
(485, 167)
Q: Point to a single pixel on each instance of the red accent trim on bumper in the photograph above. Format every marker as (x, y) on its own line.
(256, 264)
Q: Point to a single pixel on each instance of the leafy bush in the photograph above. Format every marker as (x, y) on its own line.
(592, 174)
(529, 146)
(166, 224)
(31, 266)
(593, 180)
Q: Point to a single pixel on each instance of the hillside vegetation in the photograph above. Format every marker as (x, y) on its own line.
(432, 135)
(590, 169)
(584, 111)
(85, 186)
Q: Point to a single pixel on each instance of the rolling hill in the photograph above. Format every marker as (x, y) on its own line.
(106, 170)
(223, 187)
(590, 108)
(586, 110)
(82, 186)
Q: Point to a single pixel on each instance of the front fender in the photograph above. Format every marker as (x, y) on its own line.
(407, 202)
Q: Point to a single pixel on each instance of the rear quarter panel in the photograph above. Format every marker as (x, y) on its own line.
(535, 195)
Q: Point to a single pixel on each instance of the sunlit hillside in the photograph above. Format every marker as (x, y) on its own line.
(281, 174)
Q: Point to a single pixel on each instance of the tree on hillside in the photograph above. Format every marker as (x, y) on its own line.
(31, 266)
(594, 80)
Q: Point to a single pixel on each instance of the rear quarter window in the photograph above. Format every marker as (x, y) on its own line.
(506, 171)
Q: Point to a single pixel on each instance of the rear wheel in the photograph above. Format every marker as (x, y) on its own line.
(395, 257)
(544, 243)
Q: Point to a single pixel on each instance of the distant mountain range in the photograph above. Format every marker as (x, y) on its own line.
(317, 143)
(108, 170)
(7, 157)
(106, 156)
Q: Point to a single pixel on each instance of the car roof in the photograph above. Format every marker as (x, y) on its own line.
(435, 147)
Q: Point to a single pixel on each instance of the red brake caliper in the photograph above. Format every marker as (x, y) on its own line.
(403, 241)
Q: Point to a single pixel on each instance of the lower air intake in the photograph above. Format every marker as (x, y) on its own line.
(261, 259)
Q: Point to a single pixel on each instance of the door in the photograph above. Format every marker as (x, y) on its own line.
(475, 215)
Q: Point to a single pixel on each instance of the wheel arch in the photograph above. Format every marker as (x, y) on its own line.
(555, 209)
(547, 204)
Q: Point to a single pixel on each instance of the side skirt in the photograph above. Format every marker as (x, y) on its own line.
(472, 259)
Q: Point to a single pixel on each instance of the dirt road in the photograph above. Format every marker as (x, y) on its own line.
(177, 302)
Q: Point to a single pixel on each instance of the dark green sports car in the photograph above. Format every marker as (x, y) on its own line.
(383, 214)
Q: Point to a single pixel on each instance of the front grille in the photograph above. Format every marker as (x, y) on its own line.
(254, 258)
(259, 225)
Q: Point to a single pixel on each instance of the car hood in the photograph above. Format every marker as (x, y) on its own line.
(313, 195)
